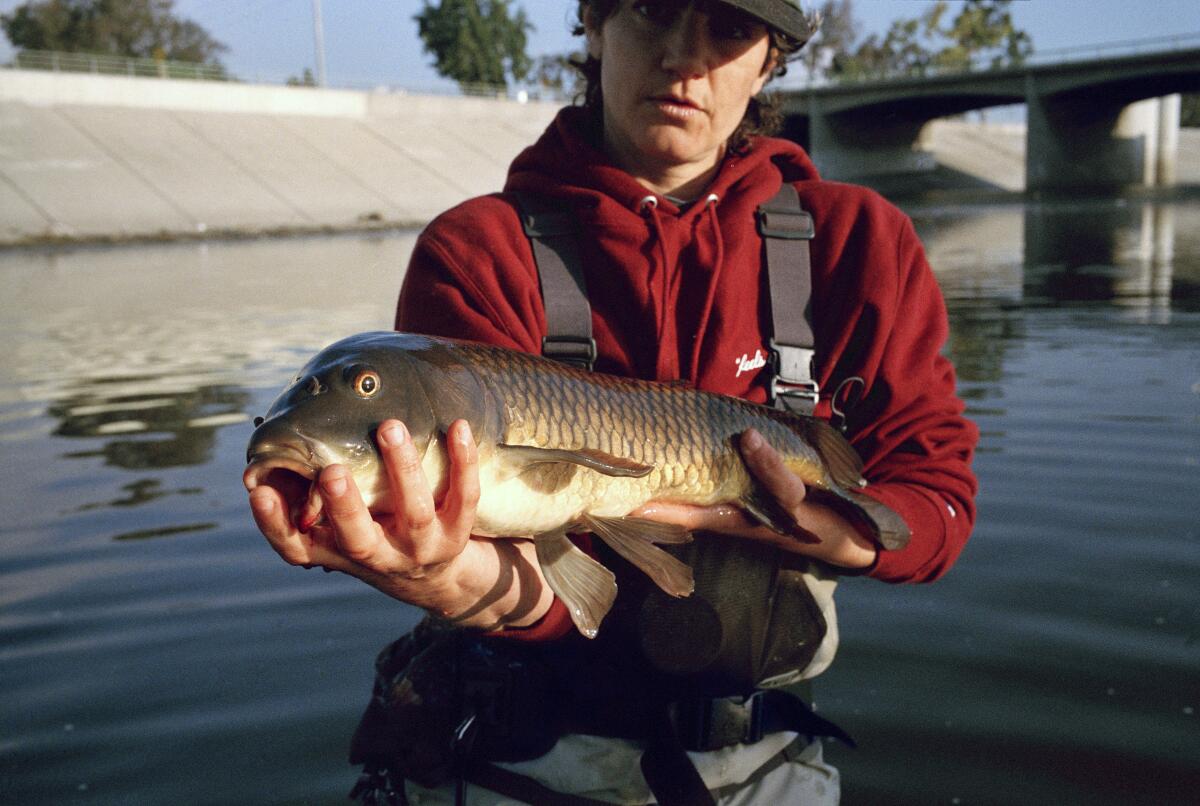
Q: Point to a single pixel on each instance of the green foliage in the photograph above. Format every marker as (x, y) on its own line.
(304, 80)
(982, 34)
(1189, 110)
(131, 28)
(476, 42)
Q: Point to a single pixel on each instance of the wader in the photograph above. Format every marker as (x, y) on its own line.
(725, 666)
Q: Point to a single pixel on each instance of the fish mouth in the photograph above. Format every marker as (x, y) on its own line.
(262, 462)
(293, 471)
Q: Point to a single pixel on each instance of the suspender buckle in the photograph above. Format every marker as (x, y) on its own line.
(793, 375)
(786, 223)
(576, 351)
(711, 724)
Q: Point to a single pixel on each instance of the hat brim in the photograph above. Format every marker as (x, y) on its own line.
(778, 14)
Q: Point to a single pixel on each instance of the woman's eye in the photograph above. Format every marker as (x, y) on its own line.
(659, 12)
(730, 24)
(366, 383)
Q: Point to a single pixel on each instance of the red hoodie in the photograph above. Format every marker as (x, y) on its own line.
(683, 295)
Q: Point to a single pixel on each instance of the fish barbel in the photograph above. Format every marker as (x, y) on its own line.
(560, 450)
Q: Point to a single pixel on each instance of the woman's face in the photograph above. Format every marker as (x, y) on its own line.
(676, 77)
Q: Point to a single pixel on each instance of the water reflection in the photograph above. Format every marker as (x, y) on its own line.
(170, 431)
(1101, 250)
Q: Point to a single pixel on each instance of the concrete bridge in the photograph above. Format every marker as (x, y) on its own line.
(1094, 123)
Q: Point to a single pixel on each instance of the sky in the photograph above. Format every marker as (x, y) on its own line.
(373, 43)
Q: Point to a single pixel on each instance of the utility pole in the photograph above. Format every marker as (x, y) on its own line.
(319, 41)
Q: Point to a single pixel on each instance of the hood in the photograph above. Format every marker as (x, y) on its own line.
(568, 163)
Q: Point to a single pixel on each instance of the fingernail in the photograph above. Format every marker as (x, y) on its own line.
(393, 435)
(334, 484)
(463, 434)
(752, 440)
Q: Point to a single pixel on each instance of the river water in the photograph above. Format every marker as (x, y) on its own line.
(154, 650)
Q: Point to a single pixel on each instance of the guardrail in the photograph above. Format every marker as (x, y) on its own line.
(103, 64)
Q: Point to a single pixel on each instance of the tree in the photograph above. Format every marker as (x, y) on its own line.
(981, 33)
(132, 28)
(983, 29)
(837, 29)
(476, 42)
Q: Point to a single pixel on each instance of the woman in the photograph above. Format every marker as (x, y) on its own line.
(663, 172)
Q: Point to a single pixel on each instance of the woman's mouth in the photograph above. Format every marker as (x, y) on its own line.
(673, 106)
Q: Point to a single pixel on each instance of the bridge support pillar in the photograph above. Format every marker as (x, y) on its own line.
(1084, 141)
(848, 147)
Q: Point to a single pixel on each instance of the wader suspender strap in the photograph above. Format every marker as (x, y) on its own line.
(786, 229)
(552, 234)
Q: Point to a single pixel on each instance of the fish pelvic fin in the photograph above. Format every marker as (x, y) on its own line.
(586, 587)
(635, 538)
(520, 457)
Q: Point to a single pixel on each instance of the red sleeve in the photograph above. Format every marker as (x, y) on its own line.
(916, 444)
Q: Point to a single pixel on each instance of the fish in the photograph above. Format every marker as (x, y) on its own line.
(560, 450)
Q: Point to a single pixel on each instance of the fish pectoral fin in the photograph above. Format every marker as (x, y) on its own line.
(842, 461)
(889, 529)
(634, 539)
(522, 456)
(762, 507)
(586, 587)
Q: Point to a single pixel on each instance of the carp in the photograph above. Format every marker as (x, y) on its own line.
(560, 450)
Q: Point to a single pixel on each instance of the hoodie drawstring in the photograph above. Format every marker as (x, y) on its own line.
(665, 368)
(710, 214)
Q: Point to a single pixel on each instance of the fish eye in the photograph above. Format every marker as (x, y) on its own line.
(366, 383)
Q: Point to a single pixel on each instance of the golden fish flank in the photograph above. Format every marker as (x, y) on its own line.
(559, 450)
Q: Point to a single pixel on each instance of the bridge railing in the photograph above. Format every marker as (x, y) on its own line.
(982, 64)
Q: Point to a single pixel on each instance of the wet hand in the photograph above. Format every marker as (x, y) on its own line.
(835, 539)
(421, 552)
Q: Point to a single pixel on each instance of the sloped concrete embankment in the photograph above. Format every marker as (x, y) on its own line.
(87, 157)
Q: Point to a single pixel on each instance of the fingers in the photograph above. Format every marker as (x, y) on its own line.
(354, 530)
(414, 509)
(270, 510)
(766, 464)
(462, 491)
(720, 518)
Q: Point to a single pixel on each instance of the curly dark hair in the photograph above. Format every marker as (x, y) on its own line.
(762, 113)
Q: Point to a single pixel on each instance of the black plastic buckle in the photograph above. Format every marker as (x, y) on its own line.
(576, 351)
(712, 724)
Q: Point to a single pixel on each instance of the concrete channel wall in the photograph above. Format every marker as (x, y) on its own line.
(86, 157)
(108, 157)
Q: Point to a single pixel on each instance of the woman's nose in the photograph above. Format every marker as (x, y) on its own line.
(683, 46)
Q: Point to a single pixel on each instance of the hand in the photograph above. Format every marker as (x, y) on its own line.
(422, 552)
(837, 541)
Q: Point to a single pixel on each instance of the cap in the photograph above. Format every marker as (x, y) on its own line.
(784, 15)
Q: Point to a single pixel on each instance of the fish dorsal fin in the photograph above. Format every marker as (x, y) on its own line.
(634, 539)
(523, 456)
(586, 587)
